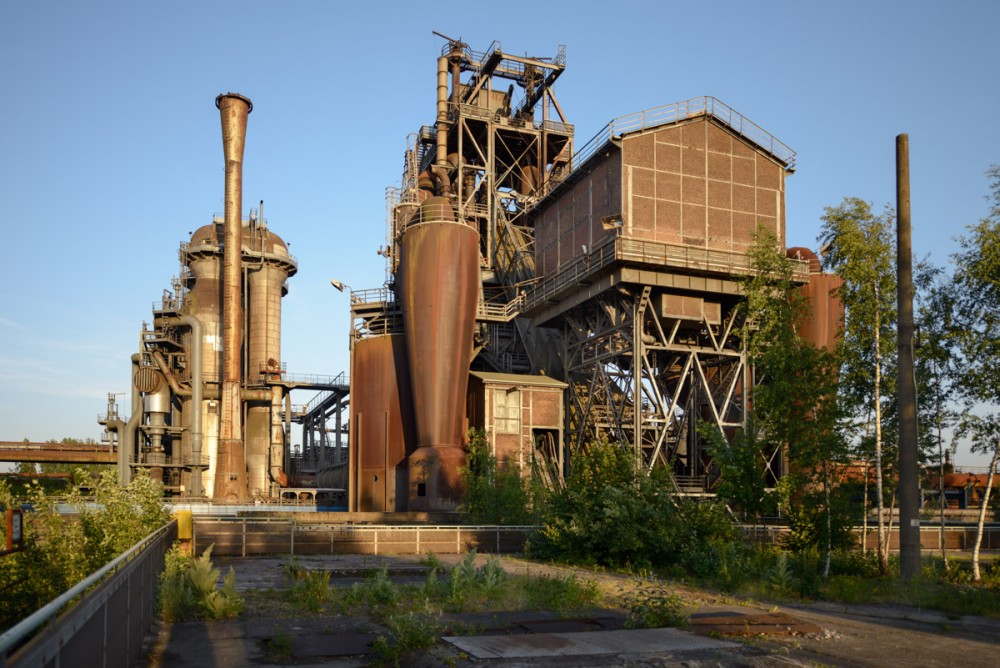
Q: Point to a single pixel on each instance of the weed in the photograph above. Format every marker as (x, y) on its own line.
(780, 579)
(491, 575)
(311, 590)
(409, 633)
(376, 591)
(189, 588)
(430, 561)
(280, 646)
(653, 606)
(562, 593)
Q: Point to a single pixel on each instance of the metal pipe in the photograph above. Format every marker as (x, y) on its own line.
(440, 169)
(909, 484)
(256, 395)
(230, 477)
(196, 392)
(126, 439)
(175, 386)
(275, 453)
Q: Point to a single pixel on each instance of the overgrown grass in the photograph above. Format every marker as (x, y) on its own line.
(771, 573)
(413, 614)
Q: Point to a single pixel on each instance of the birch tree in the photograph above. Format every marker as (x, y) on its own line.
(860, 246)
(976, 288)
(935, 371)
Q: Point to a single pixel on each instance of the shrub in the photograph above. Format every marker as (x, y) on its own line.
(652, 606)
(609, 513)
(189, 588)
(494, 493)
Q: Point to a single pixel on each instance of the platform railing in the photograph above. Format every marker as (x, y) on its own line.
(106, 626)
(679, 111)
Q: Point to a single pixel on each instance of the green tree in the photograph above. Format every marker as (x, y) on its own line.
(61, 549)
(860, 246)
(495, 493)
(934, 361)
(976, 287)
(794, 394)
(610, 513)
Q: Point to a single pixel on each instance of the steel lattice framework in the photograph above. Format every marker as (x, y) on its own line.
(644, 380)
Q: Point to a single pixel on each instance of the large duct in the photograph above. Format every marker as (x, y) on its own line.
(439, 280)
(230, 473)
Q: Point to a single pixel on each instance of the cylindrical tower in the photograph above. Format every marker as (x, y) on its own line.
(203, 257)
(438, 283)
(230, 471)
(268, 265)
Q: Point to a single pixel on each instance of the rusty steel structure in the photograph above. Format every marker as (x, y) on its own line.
(590, 292)
(230, 468)
(211, 413)
(612, 268)
(439, 310)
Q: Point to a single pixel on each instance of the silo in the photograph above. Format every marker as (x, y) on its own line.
(438, 283)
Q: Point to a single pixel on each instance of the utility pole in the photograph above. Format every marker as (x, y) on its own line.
(909, 483)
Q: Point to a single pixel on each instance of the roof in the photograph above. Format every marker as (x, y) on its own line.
(518, 379)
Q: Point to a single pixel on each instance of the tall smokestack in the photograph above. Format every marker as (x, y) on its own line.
(230, 476)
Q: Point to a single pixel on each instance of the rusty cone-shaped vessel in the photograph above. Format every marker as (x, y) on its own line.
(438, 278)
(230, 472)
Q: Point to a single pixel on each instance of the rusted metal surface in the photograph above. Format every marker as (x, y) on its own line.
(267, 266)
(230, 474)
(82, 453)
(826, 317)
(772, 624)
(383, 432)
(438, 281)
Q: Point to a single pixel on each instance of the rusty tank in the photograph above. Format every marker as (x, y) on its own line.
(382, 432)
(437, 287)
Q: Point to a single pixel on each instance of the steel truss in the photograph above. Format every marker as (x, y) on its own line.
(322, 445)
(645, 380)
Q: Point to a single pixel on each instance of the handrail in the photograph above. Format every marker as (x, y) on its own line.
(17, 633)
(619, 248)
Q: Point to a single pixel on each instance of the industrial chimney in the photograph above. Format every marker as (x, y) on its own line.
(230, 476)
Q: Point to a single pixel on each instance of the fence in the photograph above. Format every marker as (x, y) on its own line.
(107, 625)
(955, 537)
(250, 537)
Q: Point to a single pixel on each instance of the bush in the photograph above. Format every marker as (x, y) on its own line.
(608, 513)
(653, 606)
(494, 493)
(61, 549)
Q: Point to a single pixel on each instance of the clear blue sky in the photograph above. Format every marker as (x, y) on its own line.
(110, 148)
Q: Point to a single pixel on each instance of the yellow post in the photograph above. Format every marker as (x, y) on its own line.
(185, 529)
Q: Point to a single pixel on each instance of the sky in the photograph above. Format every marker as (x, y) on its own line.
(110, 142)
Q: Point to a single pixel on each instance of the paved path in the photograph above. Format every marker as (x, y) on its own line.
(848, 635)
